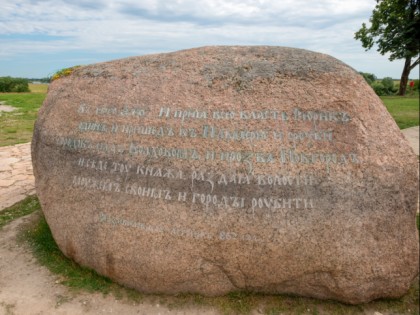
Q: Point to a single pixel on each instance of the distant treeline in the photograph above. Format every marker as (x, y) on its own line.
(387, 86)
(9, 84)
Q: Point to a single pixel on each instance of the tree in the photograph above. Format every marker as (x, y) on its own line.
(369, 77)
(395, 28)
(9, 84)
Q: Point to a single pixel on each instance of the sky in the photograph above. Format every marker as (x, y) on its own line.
(40, 37)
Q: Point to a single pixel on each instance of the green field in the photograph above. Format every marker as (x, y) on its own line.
(17, 126)
(405, 110)
(38, 88)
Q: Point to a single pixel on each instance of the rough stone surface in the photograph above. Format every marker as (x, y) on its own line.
(220, 169)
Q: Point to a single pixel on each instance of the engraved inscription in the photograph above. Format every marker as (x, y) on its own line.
(183, 232)
(142, 166)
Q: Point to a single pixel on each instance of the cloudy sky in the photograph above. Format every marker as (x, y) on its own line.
(39, 37)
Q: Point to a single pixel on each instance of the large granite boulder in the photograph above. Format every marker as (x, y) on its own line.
(220, 169)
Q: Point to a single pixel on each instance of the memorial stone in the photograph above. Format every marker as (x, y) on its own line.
(220, 169)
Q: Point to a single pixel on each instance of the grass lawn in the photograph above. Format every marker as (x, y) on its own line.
(17, 126)
(405, 110)
(20, 209)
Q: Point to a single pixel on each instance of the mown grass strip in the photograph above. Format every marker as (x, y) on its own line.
(17, 126)
(20, 209)
(405, 110)
(48, 254)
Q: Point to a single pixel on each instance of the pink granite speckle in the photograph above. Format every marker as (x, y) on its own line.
(219, 169)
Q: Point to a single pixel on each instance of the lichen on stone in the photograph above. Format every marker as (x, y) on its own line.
(64, 73)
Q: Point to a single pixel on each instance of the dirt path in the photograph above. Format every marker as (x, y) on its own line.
(26, 288)
(6, 108)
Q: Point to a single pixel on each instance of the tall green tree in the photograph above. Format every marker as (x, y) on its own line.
(395, 29)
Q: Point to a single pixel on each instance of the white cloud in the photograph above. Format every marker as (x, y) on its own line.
(132, 27)
(268, 12)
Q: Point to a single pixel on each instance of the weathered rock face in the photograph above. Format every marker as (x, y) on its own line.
(220, 169)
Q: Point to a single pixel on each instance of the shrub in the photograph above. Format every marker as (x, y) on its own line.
(389, 86)
(384, 87)
(378, 87)
(369, 77)
(9, 84)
